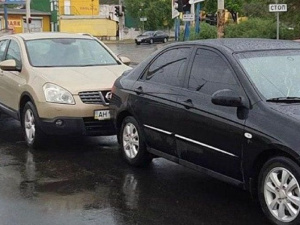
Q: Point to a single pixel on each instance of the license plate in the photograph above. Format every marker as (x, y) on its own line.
(102, 115)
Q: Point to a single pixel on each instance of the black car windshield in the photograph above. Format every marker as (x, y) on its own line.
(148, 33)
(276, 74)
(65, 52)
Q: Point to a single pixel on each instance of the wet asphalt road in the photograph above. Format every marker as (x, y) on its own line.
(83, 181)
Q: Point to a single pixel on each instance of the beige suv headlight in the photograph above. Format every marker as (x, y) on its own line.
(56, 94)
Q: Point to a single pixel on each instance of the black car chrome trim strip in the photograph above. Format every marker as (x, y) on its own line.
(204, 145)
(159, 130)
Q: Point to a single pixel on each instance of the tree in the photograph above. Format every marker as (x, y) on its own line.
(289, 19)
(157, 12)
(233, 6)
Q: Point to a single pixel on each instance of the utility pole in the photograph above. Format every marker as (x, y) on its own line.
(28, 15)
(277, 24)
(121, 21)
(221, 18)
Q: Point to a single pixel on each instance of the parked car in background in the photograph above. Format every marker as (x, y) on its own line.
(227, 107)
(57, 84)
(152, 37)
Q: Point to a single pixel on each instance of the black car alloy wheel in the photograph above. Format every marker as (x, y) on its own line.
(279, 191)
(133, 145)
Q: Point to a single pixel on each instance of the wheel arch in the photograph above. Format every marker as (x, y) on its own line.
(121, 116)
(259, 162)
(25, 97)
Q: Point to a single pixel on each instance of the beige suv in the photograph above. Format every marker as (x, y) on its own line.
(58, 84)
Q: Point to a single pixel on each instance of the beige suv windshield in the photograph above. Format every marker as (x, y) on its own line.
(66, 52)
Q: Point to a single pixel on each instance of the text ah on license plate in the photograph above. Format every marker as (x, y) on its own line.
(102, 115)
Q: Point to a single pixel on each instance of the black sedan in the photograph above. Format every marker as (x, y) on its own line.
(229, 108)
(152, 37)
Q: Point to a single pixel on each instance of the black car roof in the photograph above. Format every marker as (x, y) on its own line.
(235, 45)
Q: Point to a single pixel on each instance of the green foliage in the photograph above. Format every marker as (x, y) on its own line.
(158, 12)
(207, 32)
(252, 28)
(258, 28)
(291, 18)
(233, 6)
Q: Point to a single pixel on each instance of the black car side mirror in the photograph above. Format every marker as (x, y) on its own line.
(229, 98)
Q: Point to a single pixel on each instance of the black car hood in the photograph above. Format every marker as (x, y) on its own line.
(292, 110)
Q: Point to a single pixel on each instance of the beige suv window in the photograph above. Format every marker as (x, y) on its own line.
(3, 45)
(13, 52)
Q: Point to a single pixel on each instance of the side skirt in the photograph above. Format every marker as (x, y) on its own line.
(198, 168)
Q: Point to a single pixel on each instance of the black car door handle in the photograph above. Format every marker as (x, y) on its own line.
(188, 103)
(139, 90)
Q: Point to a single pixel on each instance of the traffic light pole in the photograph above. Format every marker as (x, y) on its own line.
(221, 18)
(121, 22)
(28, 15)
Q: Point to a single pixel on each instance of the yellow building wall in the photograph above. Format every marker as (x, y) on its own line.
(80, 7)
(94, 26)
(16, 23)
(46, 24)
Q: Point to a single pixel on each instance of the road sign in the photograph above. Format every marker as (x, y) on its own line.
(195, 1)
(278, 8)
(143, 19)
(188, 17)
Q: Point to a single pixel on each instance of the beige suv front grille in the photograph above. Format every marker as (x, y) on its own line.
(94, 97)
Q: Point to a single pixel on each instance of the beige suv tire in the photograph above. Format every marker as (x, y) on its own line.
(34, 136)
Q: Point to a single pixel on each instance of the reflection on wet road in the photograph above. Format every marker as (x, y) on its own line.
(83, 181)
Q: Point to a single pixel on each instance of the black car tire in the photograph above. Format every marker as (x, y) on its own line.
(151, 41)
(286, 171)
(136, 153)
(165, 40)
(30, 119)
(138, 43)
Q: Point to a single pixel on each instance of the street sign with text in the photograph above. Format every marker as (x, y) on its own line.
(278, 8)
(188, 17)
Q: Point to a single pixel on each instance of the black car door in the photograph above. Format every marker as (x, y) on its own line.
(209, 135)
(154, 103)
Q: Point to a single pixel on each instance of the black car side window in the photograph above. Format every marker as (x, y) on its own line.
(3, 45)
(168, 67)
(210, 73)
(13, 52)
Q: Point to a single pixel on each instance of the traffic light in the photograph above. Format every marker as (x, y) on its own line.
(186, 6)
(117, 10)
(29, 20)
(179, 5)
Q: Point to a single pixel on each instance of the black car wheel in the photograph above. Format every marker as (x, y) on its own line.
(133, 145)
(151, 41)
(33, 134)
(279, 191)
(138, 43)
(165, 40)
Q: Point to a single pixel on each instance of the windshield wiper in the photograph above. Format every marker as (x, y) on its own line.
(284, 99)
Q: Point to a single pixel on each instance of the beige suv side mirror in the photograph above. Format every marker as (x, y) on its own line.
(9, 65)
(125, 60)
